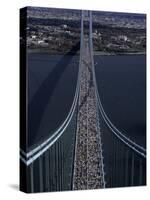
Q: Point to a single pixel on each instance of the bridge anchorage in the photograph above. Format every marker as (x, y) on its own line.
(87, 151)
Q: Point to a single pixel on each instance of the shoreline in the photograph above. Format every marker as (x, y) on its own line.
(77, 53)
(118, 53)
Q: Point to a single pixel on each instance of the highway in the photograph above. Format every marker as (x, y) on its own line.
(88, 165)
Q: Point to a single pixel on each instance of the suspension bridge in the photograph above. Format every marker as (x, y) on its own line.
(76, 155)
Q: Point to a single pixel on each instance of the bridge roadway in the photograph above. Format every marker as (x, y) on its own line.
(88, 164)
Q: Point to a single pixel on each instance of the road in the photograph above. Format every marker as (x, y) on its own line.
(88, 165)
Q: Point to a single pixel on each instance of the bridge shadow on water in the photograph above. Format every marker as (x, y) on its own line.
(41, 98)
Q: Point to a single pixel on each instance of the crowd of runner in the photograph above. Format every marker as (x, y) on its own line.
(88, 168)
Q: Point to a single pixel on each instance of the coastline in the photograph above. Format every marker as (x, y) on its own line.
(51, 52)
(37, 50)
(118, 53)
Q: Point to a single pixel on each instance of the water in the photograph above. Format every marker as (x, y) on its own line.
(121, 83)
(52, 82)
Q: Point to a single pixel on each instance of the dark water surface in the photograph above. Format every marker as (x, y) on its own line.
(52, 83)
(121, 83)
